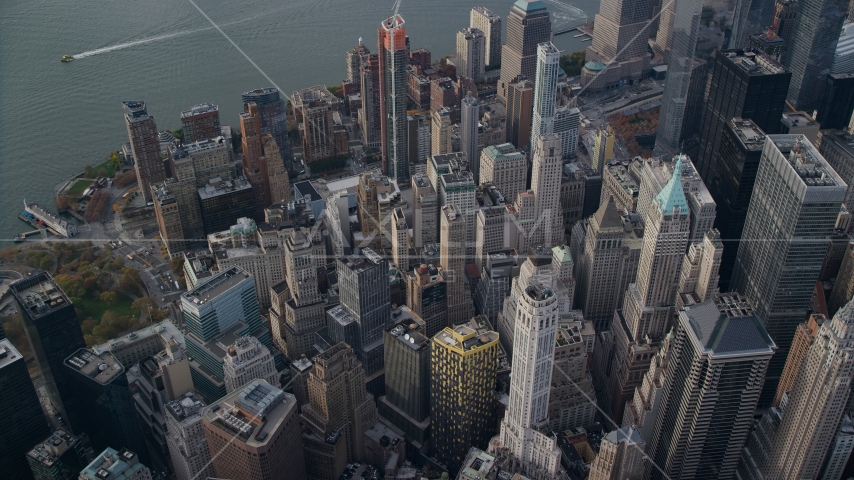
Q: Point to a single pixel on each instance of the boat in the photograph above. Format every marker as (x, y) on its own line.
(19, 238)
(67, 58)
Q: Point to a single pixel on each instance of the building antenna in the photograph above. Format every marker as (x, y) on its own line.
(397, 6)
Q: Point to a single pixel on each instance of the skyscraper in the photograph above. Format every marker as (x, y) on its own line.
(142, 134)
(393, 55)
(838, 149)
(425, 214)
(440, 132)
(53, 331)
(316, 105)
(747, 85)
(471, 53)
(272, 110)
(61, 456)
(804, 338)
(684, 32)
(111, 464)
(452, 260)
(505, 167)
(792, 214)
(528, 25)
(813, 44)
(547, 226)
(22, 423)
(545, 91)
(370, 117)
(469, 123)
(567, 121)
(837, 102)
(185, 436)
(201, 123)
(426, 296)
(246, 360)
(620, 456)
(520, 104)
(619, 43)
(489, 23)
(720, 354)
(463, 363)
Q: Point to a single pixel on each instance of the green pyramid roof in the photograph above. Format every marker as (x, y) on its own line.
(530, 5)
(672, 196)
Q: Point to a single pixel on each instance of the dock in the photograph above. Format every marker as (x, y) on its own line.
(39, 218)
(567, 30)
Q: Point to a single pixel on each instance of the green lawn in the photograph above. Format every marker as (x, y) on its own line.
(96, 308)
(78, 188)
(104, 170)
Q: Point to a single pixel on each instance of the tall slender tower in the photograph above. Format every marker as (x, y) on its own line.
(394, 57)
(471, 53)
(619, 43)
(531, 449)
(545, 91)
(528, 25)
(545, 184)
(489, 23)
(792, 213)
(469, 120)
(142, 134)
(452, 260)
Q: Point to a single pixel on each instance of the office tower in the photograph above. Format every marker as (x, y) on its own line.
(337, 208)
(456, 185)
(838, 149)
(837, 102)
(505, 167)
(100, 389)
(22, 423)
(440, 132)
(620, 456)
(603, 148)
(493, 287)
(720, 354)
(533, 451)
(572, 193)
(572, 400)
(608, 264)
(142, 135)
(793, 211)
(315, 106)
(364, 291)
(738, 159)
(843, 58)
(643, 409)
(444, 95)
(337, 414)
(406, 403)
(393, 58)
(840, 449)
(815, 404)
(399, 239)
(419, 141)
(111, 464)
(520, 108)
(370, 118)
(262, 161)
(469, 123)
(255, 433)
(53, 332)
(201, 123)
(185, 436)
(463, 362)
(843, 287)
(620, 42)
(768, 43)
(426, 296)
(683, 34)
(167, 211)
(804, 337)
(545, 184)
(800, 123)
(700, 272)
(376, 198)
(618, 181)
(545, 91)
(489, 23)
(495, 229)
(355, 57)
(566, 123)
(471, 54)
(59, 457)
(425, 214)
(664, 36)
(747, 85)
(810, 53)
(528, 25)
(452, 261)
(246, 360)
(272, 110)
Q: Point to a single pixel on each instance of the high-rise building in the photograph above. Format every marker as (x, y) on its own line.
(399, 239)
(425, 214)
(532, 450)
(255, 434)
(419, 141)
(744, 84)
(567, 121)
(816, 403)
(572, 400)
(471, 53)
(546, 221)
(102, 394)
(426, 296)
(528, 25)
(61, 456)
(792, 214)
(201, 123)
(469, 123)
(354, 64)
(804, 337)
(363, 284)
(619, 44)
(732, 185)
(338, 412)
(393, 51)
(520, 108)
(272, 110)
(545, 91)
(700, 274)
(22, 423)
(185, 436)
(246, 360)
(452, 261)
(496, 273)
(315, 105)
(505, 167)
(440, 132)
(837, 103)
(144, 143)
(642, 411)
(843, 287)
(221, 202)
(489, 23)
(455, 185)
(840, 450)
(109, 464)
(167, 210)
(620, 456)
(813, 44)
(370, 117)
(53, 332)
(681, 29)
(463, 362)
(837, 148)
(720, 354)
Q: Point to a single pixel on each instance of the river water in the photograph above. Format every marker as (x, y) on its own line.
(57, 117)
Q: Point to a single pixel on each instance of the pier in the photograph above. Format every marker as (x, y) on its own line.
(572, 29)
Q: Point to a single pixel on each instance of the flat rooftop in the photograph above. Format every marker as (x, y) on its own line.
(407, 328)
(218, 345)
(50, 450)
(754, 63)
(216, 286)
(185, 407)
(239, 414)
(39, 295)
(114, 465)
(199, 109)
(8, 353)
(806, 161)
(165, 330)
(219, 187)
(359, 263)
(750, 135)
(101, 368)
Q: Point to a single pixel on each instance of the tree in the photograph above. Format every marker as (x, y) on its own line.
(109, 298)
(141, 304)
(87, 171)
(177, 265)
(179, 134)
(130, 280)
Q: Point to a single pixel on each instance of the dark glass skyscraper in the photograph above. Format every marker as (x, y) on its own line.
(837, 101)
(53, 331)
(394, 57)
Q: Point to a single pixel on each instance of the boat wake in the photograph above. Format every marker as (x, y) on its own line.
(575, 12)
(142, 41)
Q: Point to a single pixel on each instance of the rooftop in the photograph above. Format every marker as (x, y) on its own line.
(360, 263)
(627, 434)
(8, 353)
(754, 63)
(529, 6)
(39, 294)
(478, 464)
(218, 345)
(101, 368)
(251, 414)
(798, 120)
(206, 144)
(725, 326)
(672, 196)
(216, 187)
(50, 450)
(165, 329)
(113, 465)
(199, 109)
(806, 161)
(750, 135)
(216, 286)
(464, 337)
(186, 407)
(408, 329)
